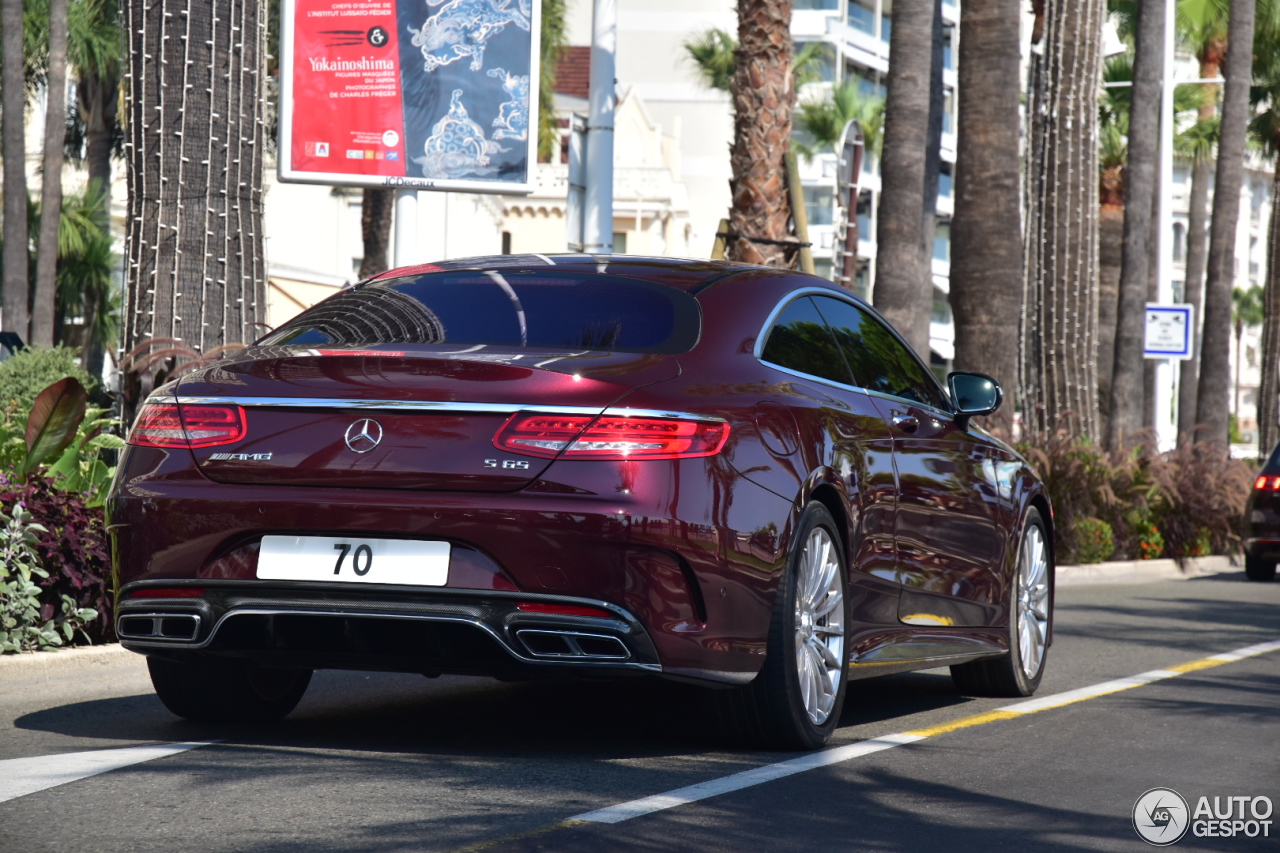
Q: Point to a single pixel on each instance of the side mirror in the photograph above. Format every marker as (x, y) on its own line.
(973, 394)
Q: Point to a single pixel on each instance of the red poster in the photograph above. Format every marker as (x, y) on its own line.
(346, 70)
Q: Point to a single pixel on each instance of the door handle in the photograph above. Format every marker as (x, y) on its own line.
(907, 423)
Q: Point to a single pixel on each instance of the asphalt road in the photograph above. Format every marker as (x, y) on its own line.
(378, 763)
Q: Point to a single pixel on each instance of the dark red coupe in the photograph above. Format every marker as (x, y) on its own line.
(530, 466)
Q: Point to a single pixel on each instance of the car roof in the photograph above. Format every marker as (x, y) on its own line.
(681, 273)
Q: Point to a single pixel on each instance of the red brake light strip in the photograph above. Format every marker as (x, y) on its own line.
(610, 437)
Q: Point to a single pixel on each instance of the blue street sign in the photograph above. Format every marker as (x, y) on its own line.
(1169, 331)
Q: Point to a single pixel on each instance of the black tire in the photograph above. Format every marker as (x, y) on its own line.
(1005, 675)
(770, 712)
(1258, 569)
(227, 691)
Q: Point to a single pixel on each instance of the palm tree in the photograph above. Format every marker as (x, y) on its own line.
(44, 304)
(1127, 394)
(1266, 132)
(1246, 311)
(1113, 155)
(986, 253)
(714, 54)
(763, 99)
(16, 282)
(1215, 354)
(1196, 144)
(903, 284)
(195, 270)
(822, 118)
(1059, 354)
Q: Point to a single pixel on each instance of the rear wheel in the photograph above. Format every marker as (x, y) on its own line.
(1018, 673)
(1258, 569)
(232, 691)
(796, 700)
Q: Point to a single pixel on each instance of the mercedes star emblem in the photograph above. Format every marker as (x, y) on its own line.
(364, 435)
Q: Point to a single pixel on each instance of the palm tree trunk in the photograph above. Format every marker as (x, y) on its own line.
(1059, 339)
(1215, 361)
(42, 311)
(986, 259)
(763, 99)
(1127, 375)
(16, 259)
(1269, 393)
(903, 284)
(98, 97)
(1193, 294)
(375, 227)
(1110, 254)
(196, 270)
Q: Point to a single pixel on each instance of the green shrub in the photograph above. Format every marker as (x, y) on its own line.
(29, 372)
(1143, 529)
(22, 626)
(1094, 541)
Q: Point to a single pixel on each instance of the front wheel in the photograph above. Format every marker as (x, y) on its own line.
(227, 691)
(796, 700)
(1018, 673)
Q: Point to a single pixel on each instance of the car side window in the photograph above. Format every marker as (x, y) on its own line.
(801, 341)
(879, 361)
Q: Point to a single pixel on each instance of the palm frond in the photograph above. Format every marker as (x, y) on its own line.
(714, 57)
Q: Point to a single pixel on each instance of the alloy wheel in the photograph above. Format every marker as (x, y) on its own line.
(819, 625)
(1033, 600)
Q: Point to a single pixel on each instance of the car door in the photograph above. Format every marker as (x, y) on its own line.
(946, 540)
(860, 447)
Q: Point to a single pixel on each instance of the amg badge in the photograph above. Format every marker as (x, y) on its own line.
(240, 457)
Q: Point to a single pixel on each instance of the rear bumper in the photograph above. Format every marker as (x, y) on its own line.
(324, 626)
(699, 587)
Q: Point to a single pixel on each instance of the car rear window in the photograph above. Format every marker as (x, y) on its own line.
(506, 309)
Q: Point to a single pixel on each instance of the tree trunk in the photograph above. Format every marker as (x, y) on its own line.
(1060, 324)
(46, 289)
(1127, 375)
(1269, 393)
(196, 272)
(1149, 378)
(903, 285)
(98, 99)
(16, 238)
(986, 252)
(763, 100)
(1193, 293)
(1110, 252)
(375, 227)
(1215, 357)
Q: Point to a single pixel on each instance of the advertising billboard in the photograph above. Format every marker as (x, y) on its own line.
(424, 94)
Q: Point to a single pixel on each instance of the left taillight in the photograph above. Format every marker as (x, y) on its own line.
(168, 425)
(608, 437)
(1264, 483)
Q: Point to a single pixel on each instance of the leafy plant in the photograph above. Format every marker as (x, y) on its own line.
(1149, 539)
(71, 543)
(32, 370)
(23, 624)
(1094, 540)
(55, 418)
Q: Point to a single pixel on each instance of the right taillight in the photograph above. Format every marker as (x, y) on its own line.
(610, 437)
(168, 425)
(1264, 483)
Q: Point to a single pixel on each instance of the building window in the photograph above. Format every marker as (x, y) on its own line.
(506, 242)
(948, 52)
(862, 16)
(820, 5)
(942, 242)
(1179, 243)
(944, 181)
(948, 111)
(864, 216)
(886, 20)
(619, 242)
(818, 205)
(821, 64)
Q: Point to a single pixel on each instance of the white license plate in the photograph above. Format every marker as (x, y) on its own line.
(349, 559)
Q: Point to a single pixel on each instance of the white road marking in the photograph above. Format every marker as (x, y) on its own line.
(22, 776)
(769, 772)
(745, 779)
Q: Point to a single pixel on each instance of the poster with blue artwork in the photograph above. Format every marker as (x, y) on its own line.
(430, 94)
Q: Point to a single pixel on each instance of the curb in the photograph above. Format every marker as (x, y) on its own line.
(83, 658)
(1143, 571)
